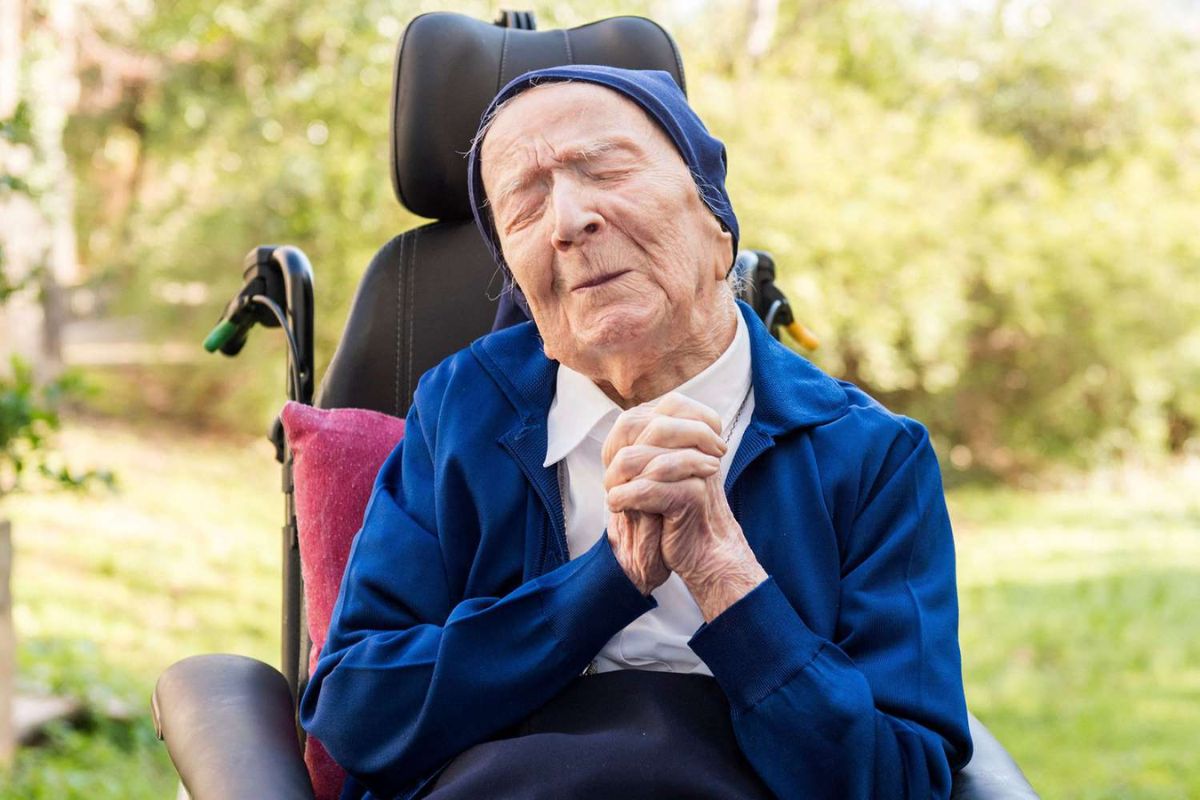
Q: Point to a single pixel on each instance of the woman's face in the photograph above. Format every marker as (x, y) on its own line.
(601, 224)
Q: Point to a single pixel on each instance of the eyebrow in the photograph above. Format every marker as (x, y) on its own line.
(582, 153)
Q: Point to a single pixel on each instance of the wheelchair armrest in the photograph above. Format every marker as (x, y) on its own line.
(230, 729)
(991, 773)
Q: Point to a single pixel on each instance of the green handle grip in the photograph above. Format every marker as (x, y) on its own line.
(219, 336)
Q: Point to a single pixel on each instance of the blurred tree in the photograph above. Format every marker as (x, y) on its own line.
(37, 228)
(986, 209)
(35, 197)
(267, 122)
(37, 252)
(985, 212)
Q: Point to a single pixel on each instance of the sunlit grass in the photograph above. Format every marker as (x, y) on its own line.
(1080, 635)
(111, 588)
(1081, 644)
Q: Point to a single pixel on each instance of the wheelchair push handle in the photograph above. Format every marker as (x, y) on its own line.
(803, 335)
(220, 335)
(240, 315)
(276, 293)
(757, 269)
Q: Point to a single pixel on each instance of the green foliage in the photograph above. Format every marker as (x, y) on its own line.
(14, 130)
(9, 287)
(104, 760)
(96, 756)
(17, 128)
(28, 418)
(989, 218)
(112, 588)
(270, 125)
(985, 211)
(28, 407)
(11, 183)
(1080, 649)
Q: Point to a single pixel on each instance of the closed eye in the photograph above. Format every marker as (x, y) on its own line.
(523, 216)
(607, 176)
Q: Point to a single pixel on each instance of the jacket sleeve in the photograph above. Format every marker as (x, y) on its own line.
(410, 675)
(879, 713)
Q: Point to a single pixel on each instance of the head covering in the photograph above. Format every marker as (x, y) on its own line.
(658, 94)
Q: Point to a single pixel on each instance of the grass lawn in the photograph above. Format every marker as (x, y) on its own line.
(111, 588)
(1080, 638)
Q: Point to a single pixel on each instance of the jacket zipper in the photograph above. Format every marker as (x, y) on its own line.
(564, 550)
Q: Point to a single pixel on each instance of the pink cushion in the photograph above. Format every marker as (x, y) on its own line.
(336, 455)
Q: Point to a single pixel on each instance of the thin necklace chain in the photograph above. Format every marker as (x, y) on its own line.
(738, 415)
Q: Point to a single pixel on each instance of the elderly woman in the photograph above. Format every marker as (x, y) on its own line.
(637, 548)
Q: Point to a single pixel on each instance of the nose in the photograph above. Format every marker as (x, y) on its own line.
(575, 216)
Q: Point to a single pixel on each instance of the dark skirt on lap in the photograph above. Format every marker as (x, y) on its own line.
(627, 735)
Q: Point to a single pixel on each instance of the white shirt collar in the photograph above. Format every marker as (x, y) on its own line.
(579, 406)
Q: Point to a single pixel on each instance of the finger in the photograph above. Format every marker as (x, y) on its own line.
(679, 463)
(654, 497)
(631, 424)
(629, 462)
(674, 404)
(645, 533)
(626, 429)
(659, 463)
(678, 433)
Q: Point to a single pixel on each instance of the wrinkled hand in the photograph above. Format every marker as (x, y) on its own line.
(664, 461)
(636, 537)
(635, 540)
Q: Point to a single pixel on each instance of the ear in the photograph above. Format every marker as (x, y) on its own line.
(723, 244)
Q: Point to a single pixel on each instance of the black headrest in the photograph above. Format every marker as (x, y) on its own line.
(449, 68)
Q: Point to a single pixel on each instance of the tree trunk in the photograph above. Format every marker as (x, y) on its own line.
(10, 55)
(13, 207)
(54, 73)
(763, 16)
(37, 232)
(8, 649)
(10, 70)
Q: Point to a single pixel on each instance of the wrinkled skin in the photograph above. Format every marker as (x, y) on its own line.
(624, 269)
(601, 224)
(662, 462)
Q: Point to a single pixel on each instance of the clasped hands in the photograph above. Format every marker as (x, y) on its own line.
(667, 506)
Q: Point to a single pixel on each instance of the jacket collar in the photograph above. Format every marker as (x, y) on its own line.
(789, 392)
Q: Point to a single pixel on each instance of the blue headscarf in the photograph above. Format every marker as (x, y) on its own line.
(654, 91)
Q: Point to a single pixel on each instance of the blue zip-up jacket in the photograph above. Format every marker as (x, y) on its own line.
(460, 613)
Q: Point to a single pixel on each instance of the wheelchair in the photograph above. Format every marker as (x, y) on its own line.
(229, 722)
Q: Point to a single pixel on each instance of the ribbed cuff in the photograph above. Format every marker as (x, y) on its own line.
(593, 599)
(756, 645)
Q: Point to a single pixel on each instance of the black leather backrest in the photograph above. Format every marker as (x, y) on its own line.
(449, 67)
(426, 294)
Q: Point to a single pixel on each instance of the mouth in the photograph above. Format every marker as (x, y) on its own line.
(599, 280)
